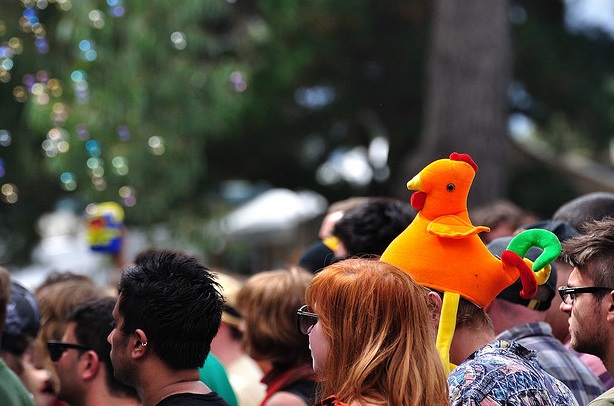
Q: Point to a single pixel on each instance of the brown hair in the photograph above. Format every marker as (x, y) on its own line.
(381, 343)
(593, 252)
(268, 302)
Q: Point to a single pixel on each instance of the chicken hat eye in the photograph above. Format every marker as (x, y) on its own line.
(450, 187)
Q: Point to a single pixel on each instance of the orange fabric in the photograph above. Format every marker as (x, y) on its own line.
(441, 249)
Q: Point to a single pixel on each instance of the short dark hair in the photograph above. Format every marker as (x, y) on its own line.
(175, 300)
(369, 228)
(93, 322)
(593, 252)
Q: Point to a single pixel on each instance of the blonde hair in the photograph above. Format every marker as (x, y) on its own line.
(268, 302)
(381, 342)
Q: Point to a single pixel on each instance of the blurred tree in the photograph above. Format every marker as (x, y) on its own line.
(157, 105)
(466, 110)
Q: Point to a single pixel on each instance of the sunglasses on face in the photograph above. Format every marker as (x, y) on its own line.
(57, 348)
(305, 319)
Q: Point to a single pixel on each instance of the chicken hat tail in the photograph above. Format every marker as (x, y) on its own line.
(441, 249)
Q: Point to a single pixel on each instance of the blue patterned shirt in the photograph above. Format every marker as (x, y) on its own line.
(557, 360)
(506, 374)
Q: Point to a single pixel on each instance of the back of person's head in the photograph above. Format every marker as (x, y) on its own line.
(368, 228)
(502, 216)
(5, 292)
(268, 302)
(175, 300)
(22, 320)
(56, 276)
(381, 343)
(593, 252)
(93, 322)
(583, 209)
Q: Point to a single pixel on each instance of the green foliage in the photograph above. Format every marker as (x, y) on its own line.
(219, 84)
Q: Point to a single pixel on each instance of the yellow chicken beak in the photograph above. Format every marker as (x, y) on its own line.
(414, 183)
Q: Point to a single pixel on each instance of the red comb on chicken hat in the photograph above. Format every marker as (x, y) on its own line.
(441, 248)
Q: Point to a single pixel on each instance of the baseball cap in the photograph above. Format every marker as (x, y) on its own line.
(545, 292)
(22, 319)
(562, 230)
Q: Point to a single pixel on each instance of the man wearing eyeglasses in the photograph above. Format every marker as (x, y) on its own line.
(82, 359)
(589, 297)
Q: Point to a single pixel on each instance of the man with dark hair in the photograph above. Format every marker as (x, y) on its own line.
(82, 358)
(589, 297)
(370, 227)
(168, 311)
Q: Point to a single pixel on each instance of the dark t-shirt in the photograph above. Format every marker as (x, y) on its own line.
(193, 399)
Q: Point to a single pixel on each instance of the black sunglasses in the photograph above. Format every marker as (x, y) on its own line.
(569, 294)
(57, 348)
(305, 320)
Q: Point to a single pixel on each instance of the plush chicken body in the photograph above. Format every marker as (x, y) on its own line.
(442, 250)
(442, 233)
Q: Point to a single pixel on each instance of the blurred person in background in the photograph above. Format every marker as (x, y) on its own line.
(82, 358)
(320, 254)
(58, 297)
(21, 328)
(243, 372)
(268, 302)
(502, 216)
(12, 390)
(369, 227)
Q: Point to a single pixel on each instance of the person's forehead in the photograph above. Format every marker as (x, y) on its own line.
(578, 278)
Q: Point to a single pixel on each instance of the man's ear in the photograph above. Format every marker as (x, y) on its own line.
(435, 303)
(138, 343)
(89, 363)
(609, 299)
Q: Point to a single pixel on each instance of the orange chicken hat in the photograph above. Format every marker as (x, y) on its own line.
(441, 249)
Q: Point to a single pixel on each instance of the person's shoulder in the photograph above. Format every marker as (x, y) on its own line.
(606, 399)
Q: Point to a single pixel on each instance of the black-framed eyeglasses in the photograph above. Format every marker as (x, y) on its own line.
(569, 294)
(305, 319)
(57, 348)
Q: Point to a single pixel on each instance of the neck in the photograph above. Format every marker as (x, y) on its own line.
(468, 340)
(107, 399)
(166, 383)
(505, 315)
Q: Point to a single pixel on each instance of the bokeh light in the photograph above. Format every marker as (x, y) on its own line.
(68, 181)
(179, 40)
(156, 145)
(120, 165)
(238, 81)
(128, 195)
(5, 138)
(10, 193)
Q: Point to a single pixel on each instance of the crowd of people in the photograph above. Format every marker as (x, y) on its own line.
(396, 304)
